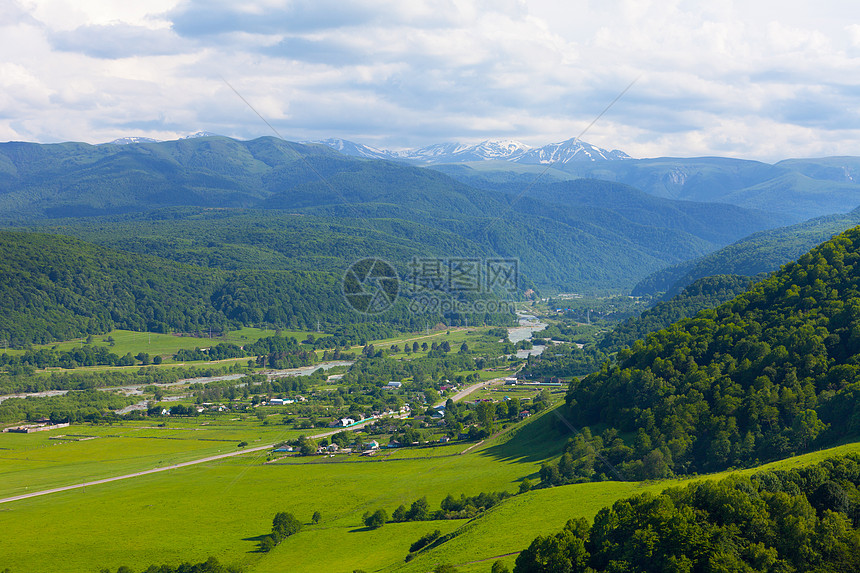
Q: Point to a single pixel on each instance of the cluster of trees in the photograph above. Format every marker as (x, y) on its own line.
(284, 524)
(707, 292)
(464, 507)
(564, 360)
(83, 406)
(768, 374)
(211, 565)
(12, 384)
(86, 355)
(270, 351)
(798, 520)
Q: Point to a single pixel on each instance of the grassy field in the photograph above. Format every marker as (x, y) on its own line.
(79, 453)
(154, 343)
(222, 508)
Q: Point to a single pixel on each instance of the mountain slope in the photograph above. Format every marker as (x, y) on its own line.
(572, 150)
(328, 210)
(707, 292)
(59, 288)
(761, 252)
(771, 373)
(798, 188)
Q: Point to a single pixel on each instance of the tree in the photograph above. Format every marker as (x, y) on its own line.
(419, 511)
(307, 446)
(242, 444)
(400, 514)
(499, 567)
(267, 543)
(285, 524)
(376, 519)
(486, 413)
(317, 517)
(525, 485)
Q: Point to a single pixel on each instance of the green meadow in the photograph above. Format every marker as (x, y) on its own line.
(223, 508)
(81, 453)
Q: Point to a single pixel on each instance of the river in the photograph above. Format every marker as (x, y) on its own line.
(529, 324)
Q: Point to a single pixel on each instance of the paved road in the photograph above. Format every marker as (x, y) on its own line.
(136, 474)
(171, 467)
(458, 396)
(469, 389)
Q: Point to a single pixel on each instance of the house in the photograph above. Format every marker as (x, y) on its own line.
(342, 423)
(444, 440)
(394, 385)
(333, 448)
(525, 414)
(284, 449)
(371, 445)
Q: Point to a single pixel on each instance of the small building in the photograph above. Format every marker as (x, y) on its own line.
(394, 384)
(371, 445)
(510, 381)
(276, 402)
(332, 448)
(525, 414)
(444, 440)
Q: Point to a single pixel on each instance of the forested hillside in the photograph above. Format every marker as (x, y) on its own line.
(707, 292)
(771, 373)
(58, 288)
(761, 252)
(777, 521)
(268, 203)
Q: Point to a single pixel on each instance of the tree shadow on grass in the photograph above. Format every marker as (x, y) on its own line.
(258, 539)
(533, 441)
(362, 529)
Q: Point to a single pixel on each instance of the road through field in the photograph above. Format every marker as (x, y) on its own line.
(458, 396)
(136, 474)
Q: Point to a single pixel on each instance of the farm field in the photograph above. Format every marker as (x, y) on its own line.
(80, 453)
(223, 508)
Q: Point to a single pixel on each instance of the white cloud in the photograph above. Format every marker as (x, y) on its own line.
(765, 80)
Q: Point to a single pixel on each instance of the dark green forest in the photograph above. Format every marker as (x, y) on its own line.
(761, 252)
(776, 521)
(771, 373)
(271, 204)
(59, 288)
(707, 292)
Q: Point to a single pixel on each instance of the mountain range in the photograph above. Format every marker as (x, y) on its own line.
(270, 204)
(490, 150)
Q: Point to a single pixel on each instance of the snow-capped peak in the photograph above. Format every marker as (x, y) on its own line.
(489, 150)
(130, 140)
(200, 134)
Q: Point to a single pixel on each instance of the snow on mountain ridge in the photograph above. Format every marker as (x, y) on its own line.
(489, 150)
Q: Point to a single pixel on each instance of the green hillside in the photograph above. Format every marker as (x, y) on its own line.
(58, 288)
(798, 520)
(761, 252)
(769, 374)
(267, 203)
(707, 292)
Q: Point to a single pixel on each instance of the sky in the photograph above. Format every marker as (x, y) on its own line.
(761, 79)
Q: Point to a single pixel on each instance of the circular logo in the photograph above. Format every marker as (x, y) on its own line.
(370, 286)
